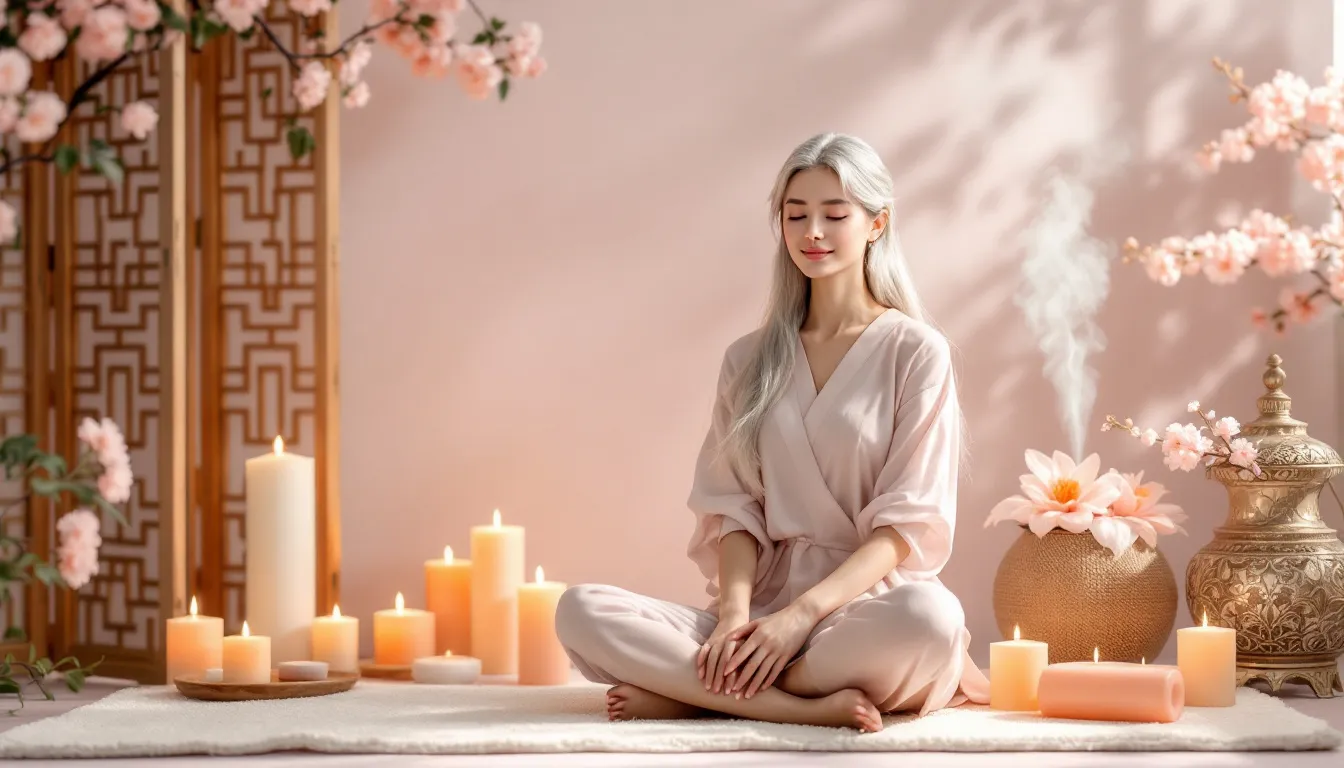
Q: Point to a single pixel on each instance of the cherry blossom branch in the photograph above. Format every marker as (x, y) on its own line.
(1186, 446)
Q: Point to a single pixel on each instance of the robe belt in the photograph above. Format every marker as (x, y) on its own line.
(813, 542)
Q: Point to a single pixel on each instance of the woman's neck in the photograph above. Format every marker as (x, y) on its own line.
(840, 302)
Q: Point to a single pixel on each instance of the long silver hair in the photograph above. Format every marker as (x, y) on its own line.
(763, 380)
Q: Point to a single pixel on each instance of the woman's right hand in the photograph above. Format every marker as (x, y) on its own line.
(715, 653)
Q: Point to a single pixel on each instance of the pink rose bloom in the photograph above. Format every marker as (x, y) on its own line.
(139, 119)
(41, 118)
(357, 97)
(477, 72)
(1243, 453)
(9, 223)
(142, 15)
(1299, 306)
(1226, 427)
(1058, 493)
(43, 39)
(15, 72)
(355, 62)
(77, 553)
(103, 35)
(309, 8)
(310, 87)
(73, 12)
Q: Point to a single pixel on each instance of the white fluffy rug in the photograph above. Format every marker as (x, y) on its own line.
(384, 717)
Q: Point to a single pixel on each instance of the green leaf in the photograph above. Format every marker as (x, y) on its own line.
(266, 92)
(43, 667)
(503, 89)
(26, 560)
(53, 463)
(47, 574)
(481, 37)
(496, 24)
(111, 168)
(110, 508)
(74, 680)
(18, 450)
(8, 685)
(15, 633)
(425, 20)
(301, 142)
(247, 34)
(67, 157)
(172, 19)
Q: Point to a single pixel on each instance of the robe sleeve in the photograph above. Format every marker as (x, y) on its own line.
(916, 491)
(720, 501)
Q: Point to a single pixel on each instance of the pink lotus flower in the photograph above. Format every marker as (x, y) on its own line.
(1136, 514)
(77, 553)
(138, 119)
(43, 37)
(1058, 493)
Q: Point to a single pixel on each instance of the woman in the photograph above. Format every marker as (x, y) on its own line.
(824, 494)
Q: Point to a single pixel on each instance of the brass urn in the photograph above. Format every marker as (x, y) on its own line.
(1274, 571)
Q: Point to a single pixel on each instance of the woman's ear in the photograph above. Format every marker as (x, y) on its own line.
(879, 225)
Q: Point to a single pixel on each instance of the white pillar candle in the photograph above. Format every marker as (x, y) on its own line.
(336, 641)
(446, 670)
(247, 658)
(280, 550)
(1207, 658)
(194, 644)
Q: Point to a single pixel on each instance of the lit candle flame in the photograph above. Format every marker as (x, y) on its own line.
(1206, 618)
(336, 611)
(496, 518)
(246, 632)
(447, 554)
(401, 603)
(447, 653)
(1096, 654)
(540, 577)
(193, 605)
(1017, 632)
(279, 444)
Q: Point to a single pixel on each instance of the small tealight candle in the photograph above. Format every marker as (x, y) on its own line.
(336, 641)
(446, 670)
(290, 671)
(214, 675)
(193, 644)
(247, 658)
(1207, 658)
(1015, 668)
(402, 635)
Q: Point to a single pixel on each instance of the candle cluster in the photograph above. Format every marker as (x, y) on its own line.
(1022, 679)
(481, 617)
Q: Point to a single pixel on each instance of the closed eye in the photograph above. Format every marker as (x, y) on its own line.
(832, 218)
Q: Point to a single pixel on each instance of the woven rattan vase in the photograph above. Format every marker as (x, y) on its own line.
(1067, 590)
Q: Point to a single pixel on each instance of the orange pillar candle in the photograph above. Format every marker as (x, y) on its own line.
(448, 597)
(402, 635)
(541, 658)
(336, 641)
(193, 644)
(1207, 657)
(496, 574)
(247, 658)
(1015, 671)
(1140, 693)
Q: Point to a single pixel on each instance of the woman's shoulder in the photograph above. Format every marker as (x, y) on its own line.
(918, 348)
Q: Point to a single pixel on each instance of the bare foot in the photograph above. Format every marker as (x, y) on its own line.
(849, 708)
(628, 702)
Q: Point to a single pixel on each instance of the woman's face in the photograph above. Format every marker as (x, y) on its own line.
(825, 232)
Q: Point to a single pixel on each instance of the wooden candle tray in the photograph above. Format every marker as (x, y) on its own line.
(196, 687)
(368, 668)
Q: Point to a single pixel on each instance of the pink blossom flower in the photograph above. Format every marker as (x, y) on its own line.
(477, 72)
(355, 62)
(1243, 453)
(1322, 163)
(116, 482)
(15, 72)
(1184, 445)
(1163, 267)
(1209, 158)
(309, 8)
(1058, 493)
(103, 35)
(139, 118)
(1226, 427)
(1260, 224)
(432, 61)
(1234, 146)
(1324, 105)
(1259, 317)
(43, 38)
(9, 223)
(1337, 285)
(1136, 514)
(9, 113)
(434, 6)
(77, 553)
(536, 67)
(104, 438)
(142, 15)
(310, 87)
(442, 29)
(73, 12)
(1149, 437)
(238, 14)
(1299, 306)
(41, 117)
(357, 97)
(526, 42)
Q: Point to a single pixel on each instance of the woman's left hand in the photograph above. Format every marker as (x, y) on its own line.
(765, 647)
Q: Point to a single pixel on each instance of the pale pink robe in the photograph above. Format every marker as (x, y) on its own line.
(878, 446)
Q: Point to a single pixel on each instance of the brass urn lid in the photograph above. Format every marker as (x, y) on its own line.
(1283, 441)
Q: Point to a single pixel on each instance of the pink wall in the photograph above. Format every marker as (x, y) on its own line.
(536, 294)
